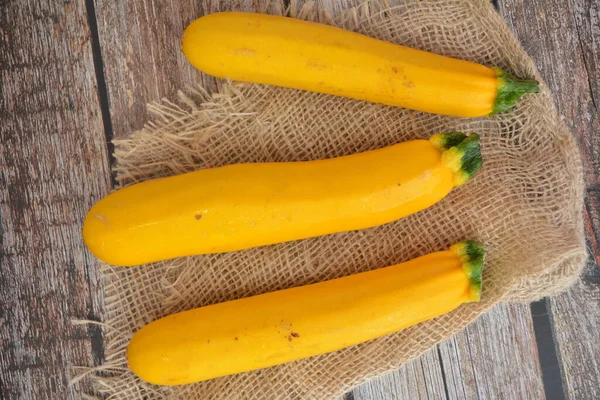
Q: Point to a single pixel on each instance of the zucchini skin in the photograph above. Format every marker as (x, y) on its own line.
(247, 205)
(304, 55)
(286, 325)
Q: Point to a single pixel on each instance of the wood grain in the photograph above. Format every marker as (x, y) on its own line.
(52, 167)
(421, 378)
(501, 350)
(563, 37)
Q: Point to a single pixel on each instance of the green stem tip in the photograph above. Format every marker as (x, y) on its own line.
(460, 153)
(510, 90)
(471, 255)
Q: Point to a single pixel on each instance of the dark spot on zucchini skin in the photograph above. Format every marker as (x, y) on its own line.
(198, 217)
(295, 334)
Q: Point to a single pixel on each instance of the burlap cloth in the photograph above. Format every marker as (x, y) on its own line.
(525, 204)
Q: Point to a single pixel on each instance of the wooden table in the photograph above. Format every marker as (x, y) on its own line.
(74, 74)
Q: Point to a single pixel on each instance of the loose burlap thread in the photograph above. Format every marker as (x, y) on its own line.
(525, 204)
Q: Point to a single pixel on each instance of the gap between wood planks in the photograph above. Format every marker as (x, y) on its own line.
(94, 330)
(102, 91)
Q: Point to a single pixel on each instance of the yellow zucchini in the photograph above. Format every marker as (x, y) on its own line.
(319, 58)
(278, 327)
(246, 205)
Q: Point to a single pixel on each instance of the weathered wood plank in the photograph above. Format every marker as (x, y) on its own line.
(563, 37)
(418, 379)
(500, 347)
(52, 167)
(576, 318)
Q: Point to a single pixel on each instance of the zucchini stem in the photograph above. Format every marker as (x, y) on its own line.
(510, 90)
(460, 153)
(472, 255)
